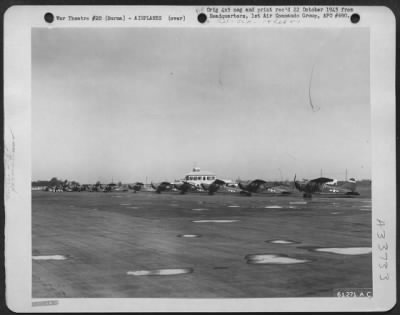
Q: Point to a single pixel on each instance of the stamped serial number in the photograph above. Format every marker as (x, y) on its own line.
(353, 292)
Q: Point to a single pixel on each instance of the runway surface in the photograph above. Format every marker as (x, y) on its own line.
(198, 246)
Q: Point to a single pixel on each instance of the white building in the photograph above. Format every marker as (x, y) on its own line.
(197, 176)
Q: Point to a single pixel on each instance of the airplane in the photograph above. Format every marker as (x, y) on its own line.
(254, 186)
(114, 187)
(163, 186)
(183, 187)
(136, 186)
(321, 187)
(213, 187)
(261, 186)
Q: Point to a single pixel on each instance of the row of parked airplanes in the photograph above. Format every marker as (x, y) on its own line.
(321, 185)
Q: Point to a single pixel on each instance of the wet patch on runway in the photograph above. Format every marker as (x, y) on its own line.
(124, 204)
(174, 205)
(284, 242)
(49, 257)
(273, 207)
(133, 207)
(233, 206)
(189, 235)
(260, 259)
(215, 221)
(160, 272)
(298, 202)
(335, 212)
(346, 250)
(200, 209)
(221, 267)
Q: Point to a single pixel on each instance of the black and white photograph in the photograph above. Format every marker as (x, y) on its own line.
(201, 162)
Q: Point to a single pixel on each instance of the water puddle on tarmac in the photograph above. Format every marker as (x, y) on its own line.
(199, 209)
(298, 202)
(124, 204)
(335, 212)
(133, 207)
(188, 235)
(160, 272)
(49, 257)
(215, 221)
(346, 250)
(256, 259)
(273, 207)
(282, 242)
(233, 206)
(366, 208)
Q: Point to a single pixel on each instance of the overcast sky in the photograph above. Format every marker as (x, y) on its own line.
(131, 103)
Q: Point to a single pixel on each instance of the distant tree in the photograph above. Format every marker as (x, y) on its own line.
(98, 183)
(119, 184)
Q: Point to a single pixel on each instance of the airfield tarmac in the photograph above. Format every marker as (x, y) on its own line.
(105, 245)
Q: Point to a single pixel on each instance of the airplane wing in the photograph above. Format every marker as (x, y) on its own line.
(219, 182)
(321, 180)
(316, 185)
(258, 182)
(163, 186)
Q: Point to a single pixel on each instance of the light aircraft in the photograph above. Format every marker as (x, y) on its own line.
(321, 187)
(213, 187)
(261, 186)
(114, 187)
(183, 187)
(136, 186)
